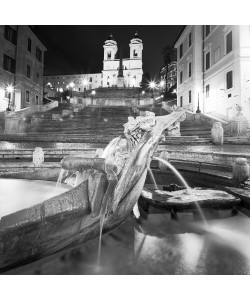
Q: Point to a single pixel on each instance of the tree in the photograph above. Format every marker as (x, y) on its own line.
(168, 54)
(145, 81)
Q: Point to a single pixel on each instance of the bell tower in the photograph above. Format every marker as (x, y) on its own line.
(136, 47)
(110, 48)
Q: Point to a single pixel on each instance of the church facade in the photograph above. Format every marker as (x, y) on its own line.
(132, 70)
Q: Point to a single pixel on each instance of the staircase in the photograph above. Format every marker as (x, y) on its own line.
(90, 125)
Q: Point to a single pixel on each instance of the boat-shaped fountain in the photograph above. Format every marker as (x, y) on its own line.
(107, 189)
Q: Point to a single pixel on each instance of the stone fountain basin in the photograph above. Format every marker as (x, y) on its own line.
(182, 199)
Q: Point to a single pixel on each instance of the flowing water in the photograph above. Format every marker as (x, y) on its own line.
(190, 191)
(59, 180)
(153, 178)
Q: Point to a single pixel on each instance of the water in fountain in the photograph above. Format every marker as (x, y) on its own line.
(153, 178)
(189, 190)
(59, 180)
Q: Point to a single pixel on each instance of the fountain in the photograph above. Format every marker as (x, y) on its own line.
(108, 188)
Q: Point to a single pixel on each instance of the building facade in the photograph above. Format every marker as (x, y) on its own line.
(171, 74)
(213, 69)
(132, 70)
(21, 66)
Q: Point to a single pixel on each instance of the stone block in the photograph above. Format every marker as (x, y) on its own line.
(66, 112)
(217, 133)
(56, 116)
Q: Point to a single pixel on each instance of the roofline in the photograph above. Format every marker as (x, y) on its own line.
(80, 74)
(179, 35)
(38, 36)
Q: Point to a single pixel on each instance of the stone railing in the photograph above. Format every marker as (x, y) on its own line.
(219, 158)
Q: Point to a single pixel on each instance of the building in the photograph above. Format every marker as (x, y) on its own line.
(213, 69)
(171, 75)
(76, 82)
(132, 70)
(21, 66)
(132, 66)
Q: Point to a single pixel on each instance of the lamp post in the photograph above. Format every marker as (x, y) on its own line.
(152, 86)
(61, 91)
(93, 94)
(198, 111)
(85, 82)
(9, 90)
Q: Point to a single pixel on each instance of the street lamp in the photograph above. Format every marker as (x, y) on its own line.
(9, 90)
(152, 86)
(93, 94)
(61, 91)
(85, 82)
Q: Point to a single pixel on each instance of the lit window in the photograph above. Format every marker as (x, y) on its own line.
(27, 96)
(229, 79)
(38, 54)
(10, 34)
(207, 60)
(190, 69)
(181, 77)
(229, 42)
(207, 90)
(29, 44)
(207, 29)
(181, 50)
(190, 39)
(9, 64)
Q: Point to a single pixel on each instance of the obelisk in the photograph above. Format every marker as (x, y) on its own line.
(120, 77)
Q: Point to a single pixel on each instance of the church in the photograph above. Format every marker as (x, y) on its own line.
(130, 70)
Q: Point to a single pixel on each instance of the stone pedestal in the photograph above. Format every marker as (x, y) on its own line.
(217, 133)
(120, 81)
(238, 127)
(11, 124)
(240, 171)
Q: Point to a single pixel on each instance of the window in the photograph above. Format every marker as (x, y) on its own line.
(90, 79)
(229, 79)
(9, 64)
(207, 29)
(217, 55)
(190, 39)
(135, 54)
(181, 101)
(181, 77)
(29, 44)
(37, 77)
(190, 97)
(109, 55)
(10, 34)
(28, 71)
(181, 50)
(38, 54)
(207, 61)
(229, 42)
(37, 100)
(79, 89)
(190, 69)
(27, 96)
(207, 90)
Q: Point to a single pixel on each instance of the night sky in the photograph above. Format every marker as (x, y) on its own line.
(79, 49)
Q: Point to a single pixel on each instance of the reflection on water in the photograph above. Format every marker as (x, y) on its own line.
(148, 246)
(17, 194)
